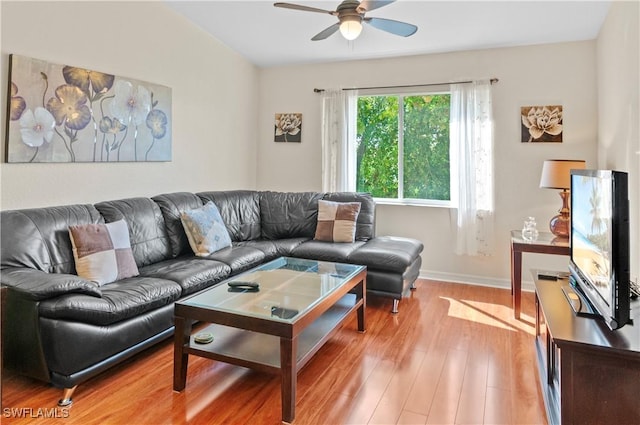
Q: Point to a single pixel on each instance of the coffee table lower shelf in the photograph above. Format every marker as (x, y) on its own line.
(264, 352)
(261, 351)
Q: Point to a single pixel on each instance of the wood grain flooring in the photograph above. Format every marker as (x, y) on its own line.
(453, 355)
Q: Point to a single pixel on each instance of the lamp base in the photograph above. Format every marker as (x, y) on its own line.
(560, 226)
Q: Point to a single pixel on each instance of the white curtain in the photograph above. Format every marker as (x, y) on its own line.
(339, 108)
(471, 135)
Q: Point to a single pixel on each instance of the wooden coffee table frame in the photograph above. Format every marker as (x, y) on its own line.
(252, 342)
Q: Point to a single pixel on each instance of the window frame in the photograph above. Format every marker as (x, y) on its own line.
(401, 93)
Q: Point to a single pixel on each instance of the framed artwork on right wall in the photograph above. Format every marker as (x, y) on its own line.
(541, 124)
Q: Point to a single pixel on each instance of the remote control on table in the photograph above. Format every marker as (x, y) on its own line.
(238, 284)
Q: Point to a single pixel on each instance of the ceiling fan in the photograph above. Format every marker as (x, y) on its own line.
(351, 14)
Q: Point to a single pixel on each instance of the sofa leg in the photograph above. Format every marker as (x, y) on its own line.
(394, 310)
(66, 400)
(413, 285)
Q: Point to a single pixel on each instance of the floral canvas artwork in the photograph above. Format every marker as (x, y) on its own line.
(288, 128)
(541, 123)
(62, 113)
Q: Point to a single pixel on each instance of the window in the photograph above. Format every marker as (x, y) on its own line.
(402, 147)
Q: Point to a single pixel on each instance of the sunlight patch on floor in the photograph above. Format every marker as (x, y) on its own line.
(203, 401)
(489, 314)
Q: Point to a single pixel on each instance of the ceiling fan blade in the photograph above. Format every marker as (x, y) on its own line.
(368, 5)
(326, 32)
(303, 8)
(394, 27)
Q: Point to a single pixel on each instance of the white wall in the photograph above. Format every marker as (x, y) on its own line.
(218, 97)
(536, 75)
(214, 91)
(618, 56)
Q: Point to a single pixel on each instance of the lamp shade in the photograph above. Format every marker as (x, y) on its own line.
(556, 173)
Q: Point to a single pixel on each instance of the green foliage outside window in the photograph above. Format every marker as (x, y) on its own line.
(425, 140)
(377, 141)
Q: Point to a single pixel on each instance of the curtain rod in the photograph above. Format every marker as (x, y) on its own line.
(493, 81)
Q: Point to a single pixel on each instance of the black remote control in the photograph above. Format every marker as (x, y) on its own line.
(238, 284)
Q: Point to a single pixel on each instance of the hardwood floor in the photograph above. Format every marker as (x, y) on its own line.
(453, 355)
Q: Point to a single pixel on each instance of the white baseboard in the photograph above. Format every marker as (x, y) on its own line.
(492, 282)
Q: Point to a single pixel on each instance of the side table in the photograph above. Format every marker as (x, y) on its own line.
(547, 243)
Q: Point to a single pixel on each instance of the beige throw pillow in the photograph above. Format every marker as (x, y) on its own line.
(102, 252)
(337, 221)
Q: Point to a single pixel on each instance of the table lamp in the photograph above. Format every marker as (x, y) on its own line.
(556, 174)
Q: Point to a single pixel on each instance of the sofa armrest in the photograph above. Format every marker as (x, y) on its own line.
(37, 285)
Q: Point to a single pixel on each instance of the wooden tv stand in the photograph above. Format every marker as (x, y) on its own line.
(588, 373)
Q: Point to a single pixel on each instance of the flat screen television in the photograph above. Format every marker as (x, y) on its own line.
(599, 241)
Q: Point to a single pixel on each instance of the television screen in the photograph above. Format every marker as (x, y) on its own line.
(599, 242)
(591, 232)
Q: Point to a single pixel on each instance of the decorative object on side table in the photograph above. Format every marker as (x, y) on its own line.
(62, 113)
(556, 174)
(530, 230)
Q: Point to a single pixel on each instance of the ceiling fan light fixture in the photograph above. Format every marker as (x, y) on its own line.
(351, 27)
(350, 14)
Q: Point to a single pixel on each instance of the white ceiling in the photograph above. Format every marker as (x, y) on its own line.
(269, 36)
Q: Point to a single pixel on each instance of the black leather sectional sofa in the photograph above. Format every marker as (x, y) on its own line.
(63, 329)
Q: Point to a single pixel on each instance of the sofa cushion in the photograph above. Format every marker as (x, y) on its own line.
(120, 300)
(326, 251)
(239, 258)
(192, 274)
(205, 229)
(337, 221)
(39, 238)
(240, 211)
(147, 232)
(389, 253)
(288, 215)
(172, 205)
(274, 248)
(102, 252)
(365, 227)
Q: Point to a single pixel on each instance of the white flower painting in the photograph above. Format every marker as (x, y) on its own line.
(62, 113)
(541, 123)
(288, 128)
(36, 127)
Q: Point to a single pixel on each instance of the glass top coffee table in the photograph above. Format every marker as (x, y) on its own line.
(276, 327)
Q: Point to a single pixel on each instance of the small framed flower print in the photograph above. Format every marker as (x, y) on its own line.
(63, 113)
(288, 128)
(541, 124)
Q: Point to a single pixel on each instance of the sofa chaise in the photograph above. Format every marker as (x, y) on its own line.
(64, 329)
